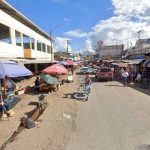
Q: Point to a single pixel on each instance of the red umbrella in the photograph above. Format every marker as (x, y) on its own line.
(69, 62)
(55, 69)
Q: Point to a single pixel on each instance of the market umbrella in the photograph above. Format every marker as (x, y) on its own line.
(69, 62)
(55, 70)
(13, 69)
(62, 63)
(49, 79)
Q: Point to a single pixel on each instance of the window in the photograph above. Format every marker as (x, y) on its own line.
(5, 34)
(48, 49)
(26, 41)
(32, 43)
(18, 38)
(43, 47)
(38, 45)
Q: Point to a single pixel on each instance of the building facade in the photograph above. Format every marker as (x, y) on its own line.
(21, 40)
(111, 51)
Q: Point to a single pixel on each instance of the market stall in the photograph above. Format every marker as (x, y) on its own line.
(10, 69)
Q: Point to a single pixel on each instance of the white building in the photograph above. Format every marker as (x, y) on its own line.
(21, 40)
(111, 51)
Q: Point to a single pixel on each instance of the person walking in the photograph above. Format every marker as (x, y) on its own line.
(125, 75)
(88, 82)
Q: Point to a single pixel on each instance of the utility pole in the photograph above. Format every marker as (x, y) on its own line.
(139, 34)
(68, 42)
(67, 45)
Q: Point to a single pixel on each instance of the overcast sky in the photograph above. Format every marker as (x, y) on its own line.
(84, 22)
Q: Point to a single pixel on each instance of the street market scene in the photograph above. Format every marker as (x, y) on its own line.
(74, 89)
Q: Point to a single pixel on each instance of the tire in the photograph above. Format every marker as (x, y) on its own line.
(80, 96)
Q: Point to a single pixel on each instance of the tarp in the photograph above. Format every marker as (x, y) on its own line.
(123, 65)
(13, 69)
(62, 63)
(135, 61)
(146, 63)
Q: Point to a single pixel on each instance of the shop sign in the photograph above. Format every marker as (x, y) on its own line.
(139, 51)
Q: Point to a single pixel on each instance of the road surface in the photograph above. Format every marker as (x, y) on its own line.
(114, 118)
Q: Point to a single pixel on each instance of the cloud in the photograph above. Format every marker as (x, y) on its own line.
(77, 33)
(88, 45)
(61, 44)
(130, 7)
(130, 16)
(67, 20)
(60, 1)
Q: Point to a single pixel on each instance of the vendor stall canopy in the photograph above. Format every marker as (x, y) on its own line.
(13, 69)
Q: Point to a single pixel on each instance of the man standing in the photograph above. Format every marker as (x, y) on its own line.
(125, 75)
(87, 82)
(10, 84)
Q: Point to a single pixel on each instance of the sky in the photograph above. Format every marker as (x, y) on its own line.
(85, 22)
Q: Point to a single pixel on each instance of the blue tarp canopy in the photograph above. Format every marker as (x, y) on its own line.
(13, 69)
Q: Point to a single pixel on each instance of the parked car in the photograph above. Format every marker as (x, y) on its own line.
(95, 70)
(85, 70)
(105, 73)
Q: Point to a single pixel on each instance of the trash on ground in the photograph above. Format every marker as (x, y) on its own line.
(66, 116)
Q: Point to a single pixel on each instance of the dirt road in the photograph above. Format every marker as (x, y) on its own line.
(114, 118)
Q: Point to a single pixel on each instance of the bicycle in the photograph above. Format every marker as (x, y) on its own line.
(83, 92)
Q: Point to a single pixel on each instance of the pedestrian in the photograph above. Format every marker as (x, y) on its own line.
(10, 84)
(125, 75)
(72, 69)
(37, 83)
(88, 82)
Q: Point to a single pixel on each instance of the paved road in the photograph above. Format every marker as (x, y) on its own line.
(114, 118)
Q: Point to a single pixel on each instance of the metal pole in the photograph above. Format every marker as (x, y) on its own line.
(139, 34)
(67, 46)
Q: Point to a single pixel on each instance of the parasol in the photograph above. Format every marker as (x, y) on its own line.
(55, 70)
(49, 79)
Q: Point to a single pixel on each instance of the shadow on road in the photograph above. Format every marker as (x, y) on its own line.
(115, 85)
(139, 88)
(76, 96)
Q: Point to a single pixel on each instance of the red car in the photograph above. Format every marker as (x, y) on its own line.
(105, 73)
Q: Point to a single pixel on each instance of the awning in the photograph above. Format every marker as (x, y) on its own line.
(13, 69)
(135, 61)
(146, 63)
(122, 65)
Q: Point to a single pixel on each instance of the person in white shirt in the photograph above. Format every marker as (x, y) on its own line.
(125, 75)
(138, 77)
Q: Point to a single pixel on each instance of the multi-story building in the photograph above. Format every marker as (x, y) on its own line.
(111, 51)
(141, 48)
(21, 40)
